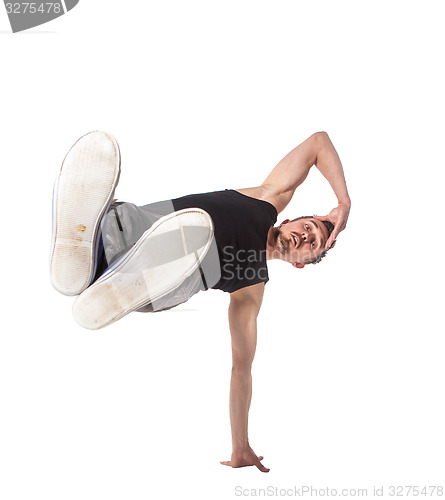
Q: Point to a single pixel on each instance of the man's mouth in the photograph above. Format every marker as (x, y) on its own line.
(296, 240)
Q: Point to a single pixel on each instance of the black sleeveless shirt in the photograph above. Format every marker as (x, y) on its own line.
(241, 225)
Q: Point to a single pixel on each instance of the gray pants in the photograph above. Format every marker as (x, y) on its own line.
(121, 228)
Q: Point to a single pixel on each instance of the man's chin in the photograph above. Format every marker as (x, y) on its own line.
(283, 246)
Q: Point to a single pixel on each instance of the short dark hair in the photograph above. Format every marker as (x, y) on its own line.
(330, 227)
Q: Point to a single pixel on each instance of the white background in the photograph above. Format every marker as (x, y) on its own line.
(205, 95)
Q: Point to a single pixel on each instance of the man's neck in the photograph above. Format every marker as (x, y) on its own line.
(270, 244)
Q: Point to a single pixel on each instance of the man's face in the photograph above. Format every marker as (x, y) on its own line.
(301, 241)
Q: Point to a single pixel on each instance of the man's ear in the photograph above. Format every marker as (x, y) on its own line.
(285, 221)
(298, 265)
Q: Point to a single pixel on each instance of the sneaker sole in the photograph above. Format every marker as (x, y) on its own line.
(83, 192)
(166, 254)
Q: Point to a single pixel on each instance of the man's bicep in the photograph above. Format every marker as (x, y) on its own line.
(243, 311)
(249, 296)
(293, 169)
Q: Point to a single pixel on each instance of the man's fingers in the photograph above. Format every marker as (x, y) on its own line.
(261, 467)
(328, 242)
(226, 462)
(260, 458)
(335, 232)
(322, 217)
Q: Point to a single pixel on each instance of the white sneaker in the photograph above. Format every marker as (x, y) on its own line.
(82, 194)
(166, 254)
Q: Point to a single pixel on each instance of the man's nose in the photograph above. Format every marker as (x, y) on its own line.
(306, 238)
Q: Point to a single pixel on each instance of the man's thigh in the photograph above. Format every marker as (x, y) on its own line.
(125, 223)
(122, 227)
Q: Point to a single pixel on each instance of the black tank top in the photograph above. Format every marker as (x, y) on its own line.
(241, 225)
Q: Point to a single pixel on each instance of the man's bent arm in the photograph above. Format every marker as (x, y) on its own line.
(329, 164)
(293, 169)
(243, 311)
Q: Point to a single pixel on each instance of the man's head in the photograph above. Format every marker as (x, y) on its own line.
(301, 241)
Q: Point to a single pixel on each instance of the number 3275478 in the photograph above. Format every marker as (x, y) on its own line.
(34, 8)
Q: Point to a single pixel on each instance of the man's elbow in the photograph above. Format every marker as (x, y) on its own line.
(321, 137)
(321, 143)
(241, 371)
(242, 365)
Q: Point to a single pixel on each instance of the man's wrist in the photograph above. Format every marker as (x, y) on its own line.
(346, 201)
(240, 447)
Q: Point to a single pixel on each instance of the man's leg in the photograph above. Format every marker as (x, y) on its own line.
(91, 234)
(125, 223)
(82, 194)
(164, 260)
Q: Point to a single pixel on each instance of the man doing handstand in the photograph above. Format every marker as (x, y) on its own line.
(118, 257)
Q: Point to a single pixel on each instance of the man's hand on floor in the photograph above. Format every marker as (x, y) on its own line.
(245, 458)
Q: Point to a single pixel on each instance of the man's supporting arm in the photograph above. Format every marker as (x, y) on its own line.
(243, 311)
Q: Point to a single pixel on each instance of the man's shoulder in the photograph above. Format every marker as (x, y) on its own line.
(263, 193)
(251, 293)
